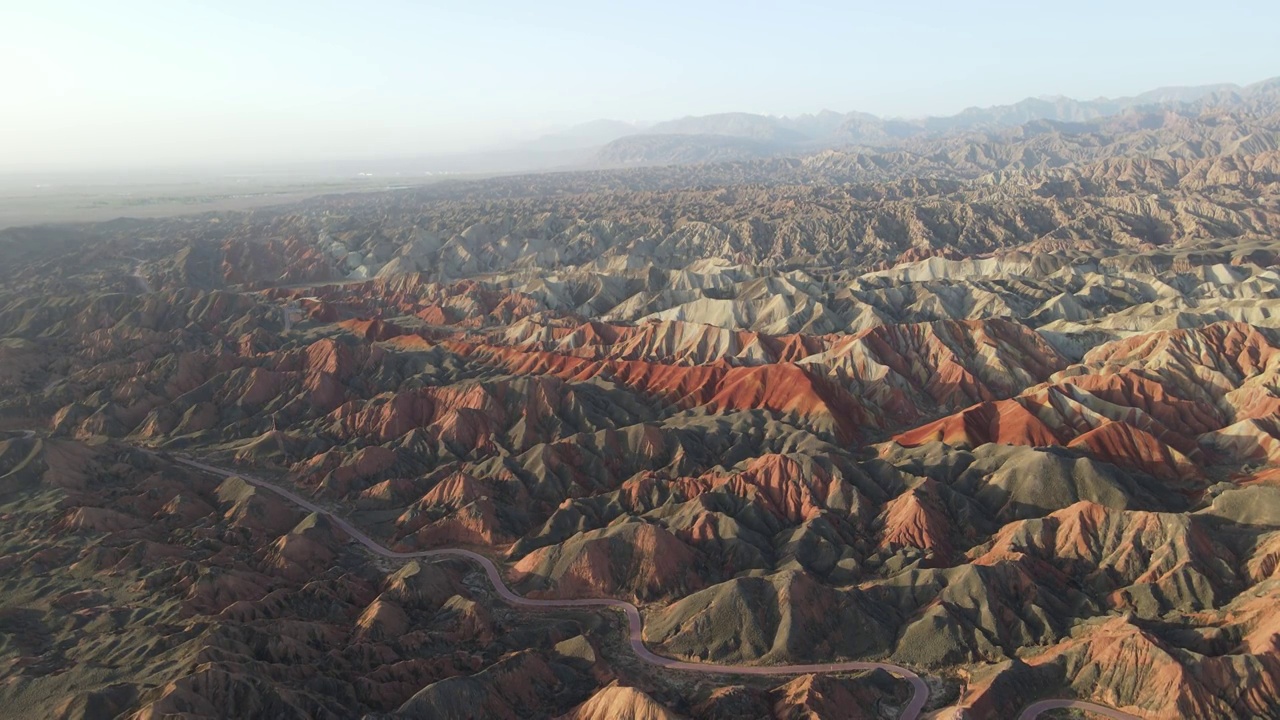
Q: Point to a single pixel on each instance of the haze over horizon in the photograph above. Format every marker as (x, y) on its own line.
(144, 84)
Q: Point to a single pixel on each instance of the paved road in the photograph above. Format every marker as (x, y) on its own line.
(1034, 710)
(920, 691)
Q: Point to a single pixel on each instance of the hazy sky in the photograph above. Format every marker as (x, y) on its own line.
(135, 83)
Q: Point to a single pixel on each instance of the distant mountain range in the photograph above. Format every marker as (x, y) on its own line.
(740, 136)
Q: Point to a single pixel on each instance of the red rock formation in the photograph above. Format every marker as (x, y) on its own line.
(1123, 551)
(1131, 389)
(371, 330)
(636, 559)
(813, 697)
(1123, 444)
(1006, 422)
(790, 390)
(916, 519)
(1067, 414)
(617, 702)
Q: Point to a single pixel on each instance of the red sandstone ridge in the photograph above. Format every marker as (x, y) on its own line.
(916, 519)
(1148, 403)
(620, 703)
(637, 560)
(1006, 422)
(1236, 348)
(1132, 389)
(1124, 444)
(1229, 366)
(1006, 357)
(790, 390)
(783, 388)
(786, 488)
(818, 696)
(372, 329)
(462, 416)
(1067, 414)
(1127, 552)
(948, 361)
(667, 341)
(1148, 677)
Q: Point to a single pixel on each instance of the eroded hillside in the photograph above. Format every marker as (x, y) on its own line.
(1000, 407)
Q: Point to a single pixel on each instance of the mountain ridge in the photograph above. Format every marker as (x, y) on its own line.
(775, 135)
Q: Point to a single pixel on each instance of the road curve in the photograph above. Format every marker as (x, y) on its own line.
(913, 710)
(1034, 710)
(920, 690)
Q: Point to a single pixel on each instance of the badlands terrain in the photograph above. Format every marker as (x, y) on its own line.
(976, 420)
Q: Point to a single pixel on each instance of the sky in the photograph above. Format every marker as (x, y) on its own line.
(88, 84)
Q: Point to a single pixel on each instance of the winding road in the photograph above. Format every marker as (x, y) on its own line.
(1034, 710)
(920, 690)
(913, 710)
